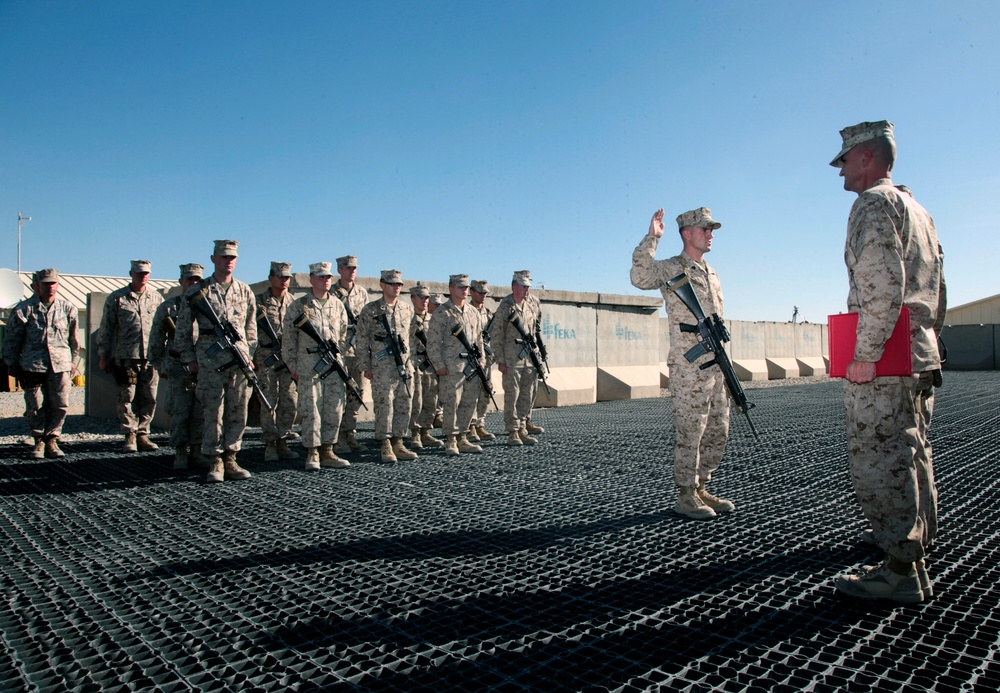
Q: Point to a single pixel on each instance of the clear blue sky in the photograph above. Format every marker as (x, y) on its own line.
(485, 137)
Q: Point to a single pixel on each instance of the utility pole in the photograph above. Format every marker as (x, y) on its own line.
(20, 218)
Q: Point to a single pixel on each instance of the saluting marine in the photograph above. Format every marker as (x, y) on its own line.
(123, 348)
(700, 400)
(187, 418)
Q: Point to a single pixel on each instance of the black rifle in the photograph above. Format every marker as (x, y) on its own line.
(396, 348)
(352, 319)
(226, 340)
(425, 363)
(712, 334)
(472, 355)
(274, 361)
(487, 347)
(529, 347)
(329, 358)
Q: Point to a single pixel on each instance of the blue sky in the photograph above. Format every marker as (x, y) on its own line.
(485, 137)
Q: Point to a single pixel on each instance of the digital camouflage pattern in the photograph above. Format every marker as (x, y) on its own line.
(224, 396)
(279, 388)
(700, 402)
(180, 403)
(425, 381)
(391, 400)
(893, 259)
(457, 396)
(483, 403)
(355, 299)
(125, 324)
(520, 382)
(320, 401)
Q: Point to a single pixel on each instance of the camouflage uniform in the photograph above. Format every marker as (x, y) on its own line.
(320, 401)
(893, 259)
(224, 395)
(425, 381)
(183, 406)
(700, 402)
(457, 395)
(483, 403)
(278, 386)
(124, 341)
(520, 382)
(389, 394)
(353, 301)
(41, 341)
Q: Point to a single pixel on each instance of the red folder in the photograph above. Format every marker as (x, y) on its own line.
(843, 333)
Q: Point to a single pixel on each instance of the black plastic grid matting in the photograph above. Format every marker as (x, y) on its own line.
(558, 567)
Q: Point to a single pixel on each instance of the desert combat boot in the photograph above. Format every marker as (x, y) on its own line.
(144, 444)
(415, 439)
(385, 449)
(464, 445)
(38, 451)
(484, 434)
(312, 459)
(130, 445)
(719, 505)
(285, 452)
(429, 441)
(401, 452)
(52, 450)
(181, 460)
(233, 471)
(328, 458)
(690, 504)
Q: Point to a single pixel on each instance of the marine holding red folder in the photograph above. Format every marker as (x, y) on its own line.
(897, 298)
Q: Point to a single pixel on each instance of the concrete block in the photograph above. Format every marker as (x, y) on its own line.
(747, 341)
(970, 347)
(779, 340)
(627, 337)
(750, 369)
(780, 368)
(664, 375)
(570, 335)
(568, 386)
(812, 365)
(627, 382)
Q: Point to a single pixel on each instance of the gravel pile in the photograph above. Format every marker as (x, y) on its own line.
(14, 428)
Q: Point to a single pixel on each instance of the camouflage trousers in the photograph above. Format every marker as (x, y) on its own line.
(279, 388)
(458, 398)
(891, 464)
(425, 398)
(137, 401)
(701, 422)
(321, 407)
(391, 401)
(187, 418)
(224, 398)
(46, 405)
(520, 384)
(352, 407)
(483, 403)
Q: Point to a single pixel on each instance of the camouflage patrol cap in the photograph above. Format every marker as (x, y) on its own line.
(192, 270)
(320, 269)
(522, 277)
(459, 280)
(862, 132)
(437, 299)
(347, 261)
(480, 286)
(281, 269)
(226, 248)
(392, 277)
(142, 266)
(701, 218)
(420, 291)
(47, 276)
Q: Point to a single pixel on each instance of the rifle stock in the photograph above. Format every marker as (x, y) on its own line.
(712, 334)
(226, 340)
(329, 357)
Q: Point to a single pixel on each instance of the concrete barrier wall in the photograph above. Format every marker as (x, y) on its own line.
(748, 349)
(779, 340)
(628, 352)
(809, 341)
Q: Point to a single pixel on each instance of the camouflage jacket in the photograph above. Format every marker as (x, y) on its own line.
(372, 333)
(330, 320)
(353, 301)
(443, 348)
(648, 273)
(42, 338)
(418, 350)
(128, 316)
(893, 259)
(195, 333)
(275, 308)
(503, 334)
(163, 353)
